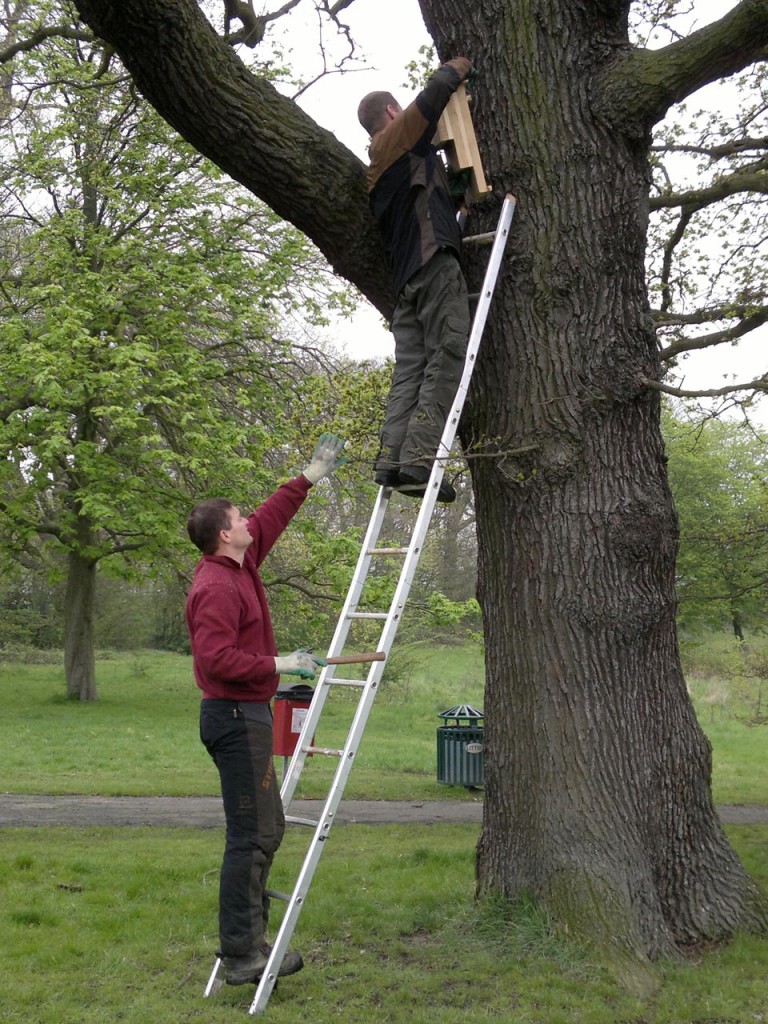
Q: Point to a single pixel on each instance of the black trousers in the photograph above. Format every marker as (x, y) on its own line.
(242, 751)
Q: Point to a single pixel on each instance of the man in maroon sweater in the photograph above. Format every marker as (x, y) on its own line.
(237, 667)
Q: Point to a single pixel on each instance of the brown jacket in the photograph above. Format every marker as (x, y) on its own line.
(409, 193)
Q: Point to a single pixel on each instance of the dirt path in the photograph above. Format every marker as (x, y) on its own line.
(18, 810)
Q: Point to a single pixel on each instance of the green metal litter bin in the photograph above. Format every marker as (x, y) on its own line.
(460, 747)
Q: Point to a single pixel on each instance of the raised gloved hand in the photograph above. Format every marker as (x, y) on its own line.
(299, 664)
(326, 458)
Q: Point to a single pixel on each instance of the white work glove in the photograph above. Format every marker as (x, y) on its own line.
(326, 458)
(300, 663)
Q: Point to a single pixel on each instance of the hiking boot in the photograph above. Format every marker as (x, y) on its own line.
(387, 477)
(414, 480)
(239, 970)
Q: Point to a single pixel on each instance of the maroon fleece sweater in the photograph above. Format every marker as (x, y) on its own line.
(233, 646)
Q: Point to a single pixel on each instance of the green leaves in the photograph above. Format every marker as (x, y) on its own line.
(717, 471)
(144, 342)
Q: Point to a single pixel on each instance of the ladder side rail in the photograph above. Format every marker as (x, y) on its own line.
(408, 571)
(478, 327)
(317, 844)
(348, 754)
(421, 527)
(314, 852)
(312, 718)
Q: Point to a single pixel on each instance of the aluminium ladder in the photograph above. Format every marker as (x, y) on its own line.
(391, 620)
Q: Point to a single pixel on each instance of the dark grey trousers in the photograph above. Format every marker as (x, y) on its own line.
(431, 328)
(242, 751)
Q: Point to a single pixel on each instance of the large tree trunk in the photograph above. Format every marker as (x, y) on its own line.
(79, 659)
(598, 797)
(597, 773)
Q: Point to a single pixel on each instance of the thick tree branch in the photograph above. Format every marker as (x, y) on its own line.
(247, 128)
(339, 6)
(641, 85)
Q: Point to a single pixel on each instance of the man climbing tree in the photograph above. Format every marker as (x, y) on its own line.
(598, 777)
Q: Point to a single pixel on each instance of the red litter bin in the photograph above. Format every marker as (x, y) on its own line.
(291, 708)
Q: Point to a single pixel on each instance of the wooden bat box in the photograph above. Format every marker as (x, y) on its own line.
(456, 136)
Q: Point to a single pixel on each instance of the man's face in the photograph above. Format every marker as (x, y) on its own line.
(237, 535)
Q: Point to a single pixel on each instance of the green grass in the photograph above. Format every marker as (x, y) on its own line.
(104, 925)
(140, 737)
(730, 694)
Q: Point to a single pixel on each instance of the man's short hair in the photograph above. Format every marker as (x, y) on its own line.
(206, 521)
(373, 109)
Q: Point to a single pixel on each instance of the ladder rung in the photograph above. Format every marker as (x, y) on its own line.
(298, 821)
(333, 681)
(387, 551)
(367, 615)
(328, 751)
(275, 895)
(484, 239)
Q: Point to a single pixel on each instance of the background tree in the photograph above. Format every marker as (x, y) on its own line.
(717, 471)
(140, 345)
(598, 794)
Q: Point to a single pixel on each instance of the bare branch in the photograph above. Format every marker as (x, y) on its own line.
(119, 549)
(697, 198)
(254, 25)
(725, 149)
(709, 315)
(40, 36)
(339, 6)
(290, 581)
(759, 384)
(669, 249)
(745, 326)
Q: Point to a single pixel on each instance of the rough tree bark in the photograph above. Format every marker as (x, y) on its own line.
(79, 657)
(598, 796)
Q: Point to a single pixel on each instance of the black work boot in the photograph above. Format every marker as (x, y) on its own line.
(414, 480)
(385, 469)
(239, 970)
